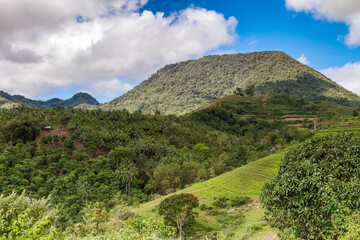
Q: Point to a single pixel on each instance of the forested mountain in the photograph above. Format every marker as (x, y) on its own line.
(7, 100)
(182, 87)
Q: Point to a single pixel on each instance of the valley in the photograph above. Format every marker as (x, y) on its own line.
(93, 161)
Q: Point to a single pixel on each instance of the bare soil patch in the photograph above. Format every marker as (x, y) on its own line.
(206, 106)
(55, 131)
(60, 131)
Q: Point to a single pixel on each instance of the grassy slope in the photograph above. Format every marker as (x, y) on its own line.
(247, 180)
(183, 87)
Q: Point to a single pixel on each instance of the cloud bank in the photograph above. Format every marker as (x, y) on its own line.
(49, 45)
(347, 76)
(347, 11)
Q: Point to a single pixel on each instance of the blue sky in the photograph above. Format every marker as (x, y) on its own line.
(269, 25)
(45, 51)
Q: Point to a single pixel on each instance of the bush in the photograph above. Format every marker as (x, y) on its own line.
(317, 183)
(222, 201)
(25, 218)
(239, 201)
(25, 129)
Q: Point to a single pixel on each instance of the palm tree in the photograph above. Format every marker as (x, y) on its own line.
(151, 186)
(127, 175)
(84, 190)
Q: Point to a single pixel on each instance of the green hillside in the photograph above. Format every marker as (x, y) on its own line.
(185, 86)
(247, 180)
(7, 100)
(240, 114)
(104, 162)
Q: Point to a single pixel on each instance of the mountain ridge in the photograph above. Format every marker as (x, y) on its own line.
(183, 87)
(7, 100)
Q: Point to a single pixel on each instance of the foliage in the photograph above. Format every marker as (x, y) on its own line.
(250, 90)
(98, 221)
(263, 125)
(152, 228)
(352, 226)
(239, 91)
(103, 158)
(186, 86)
(177, 210)
(317, 184)
(93, 156)
(355, 113)
(25, 218)
(222, 201)
(118, 223)
(23, 128)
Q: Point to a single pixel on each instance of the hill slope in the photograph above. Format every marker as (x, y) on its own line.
(246, 180)
(241, 114)
(185, 86)
(79, 98)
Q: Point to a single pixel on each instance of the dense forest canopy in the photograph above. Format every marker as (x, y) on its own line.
(91, 156)
(91, 162)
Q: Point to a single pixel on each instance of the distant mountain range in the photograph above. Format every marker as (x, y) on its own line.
(182, 87)
(7, 100)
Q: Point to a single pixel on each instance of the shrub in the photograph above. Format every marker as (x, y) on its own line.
(24, 218)
(317, 183)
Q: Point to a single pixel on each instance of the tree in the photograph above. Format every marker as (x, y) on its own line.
(202, 151)
(119, 155)
(127, 175)
(239, 92)
(83, 188)
(167, 176)
(151, 186)
(23, 128)
(250, 90)
(177, 210)
(317, 183)
(355, 113)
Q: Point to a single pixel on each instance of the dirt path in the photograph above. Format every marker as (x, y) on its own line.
(202, 189)
(271, 236)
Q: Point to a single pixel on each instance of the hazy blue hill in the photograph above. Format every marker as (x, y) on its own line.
(182, 87)
(79, 98)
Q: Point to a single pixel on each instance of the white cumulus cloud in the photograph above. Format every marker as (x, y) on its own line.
(347, 76)
(347, 11)
(303, 59)
(49, 45)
